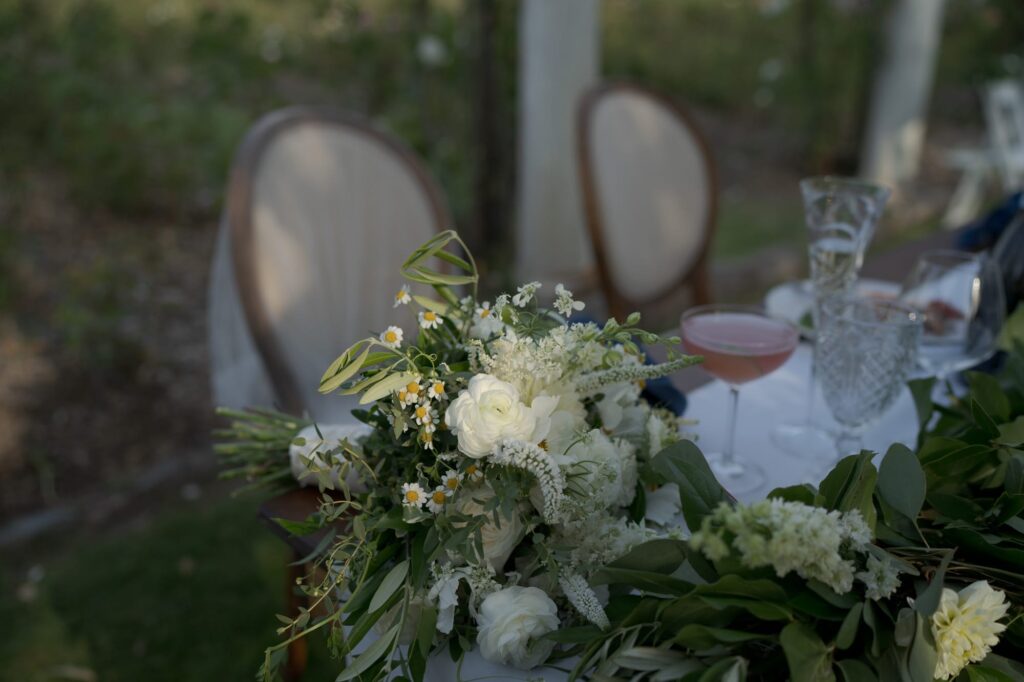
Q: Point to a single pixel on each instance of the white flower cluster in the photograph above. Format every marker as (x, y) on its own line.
(583, 598)
(530, 458)
(881, 578)
(788, 536)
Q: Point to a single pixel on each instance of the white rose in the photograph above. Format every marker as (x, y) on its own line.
(489, 410)
(498, 539)
(314, 447)
(511, 622)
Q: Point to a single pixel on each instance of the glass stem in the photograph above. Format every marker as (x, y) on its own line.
(730, 435)
(811, 390)
(848, 442)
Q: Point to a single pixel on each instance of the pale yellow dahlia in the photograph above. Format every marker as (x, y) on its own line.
(965, 626)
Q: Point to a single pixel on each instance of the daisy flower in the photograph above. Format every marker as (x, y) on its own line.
(429, 319)
(391, 337)
(451, 480)
(437, 499)
(424, 415)
(436, 390)
(402, 297)
(413, 495)
(427, 437)
(474, 473)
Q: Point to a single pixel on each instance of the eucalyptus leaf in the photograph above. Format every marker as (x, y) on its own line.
(392, 582)
(853, 670)
(344, 373)
(928, 599)
(683, 463)
(808, 658)
(373, 653)
(732, 669)
(901, 481)
(848, 630)
(386, 386)
(850, 485)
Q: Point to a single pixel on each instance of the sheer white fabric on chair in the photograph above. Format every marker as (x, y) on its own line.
(322, 210)
(650, 194)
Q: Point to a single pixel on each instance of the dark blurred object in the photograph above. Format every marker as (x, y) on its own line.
(985, 232)
(661, 393)
(1009, 254)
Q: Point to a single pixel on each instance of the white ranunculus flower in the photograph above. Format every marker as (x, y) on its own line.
(966, 626)
(489, 411)
(498, 539)
(512, 622)
(315, 448)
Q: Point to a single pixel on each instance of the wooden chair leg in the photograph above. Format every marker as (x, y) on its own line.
(298, 651)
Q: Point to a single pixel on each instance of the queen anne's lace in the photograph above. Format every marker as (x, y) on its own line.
(583, 599)
(530, 458)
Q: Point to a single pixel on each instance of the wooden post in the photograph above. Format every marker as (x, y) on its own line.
(899, 106)
(558, 61)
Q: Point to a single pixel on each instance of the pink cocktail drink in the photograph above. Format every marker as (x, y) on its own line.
(739, 347)
(739, 344)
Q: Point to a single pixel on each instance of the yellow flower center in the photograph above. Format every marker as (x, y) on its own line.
(413, 387)
(429, 316)
(438, 497)
(402, 395)
(412, 496)
(426, 437)
(390, 336)
(485, 312)
(400, 295)
(421, 412)
(439, 388)
(452, 483)
(471, 469)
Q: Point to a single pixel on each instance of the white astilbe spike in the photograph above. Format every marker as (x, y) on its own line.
(588, 384)
(530, 458)
(582, 597)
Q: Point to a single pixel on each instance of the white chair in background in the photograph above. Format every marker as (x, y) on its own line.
(321, 211)
(1003, 158)
(650, 193)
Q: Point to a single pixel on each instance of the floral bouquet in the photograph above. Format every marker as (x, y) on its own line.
(507, 491)
(504, 456)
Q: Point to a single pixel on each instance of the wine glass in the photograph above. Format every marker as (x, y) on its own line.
(739, 344)
(865, 349)
(841, 215)
(962, 299)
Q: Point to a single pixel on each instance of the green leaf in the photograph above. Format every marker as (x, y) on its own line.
(683, 463)
(978, 673)
(901, 481)
(848, 630)
(850, 485)
(344, 374)
(853, 670)
(372, 654)
(921, 390)
(928, 599)
(795, 493)
(425, 629)
(1012, 433)
(733, 669)
(656, 583)
(656, 556)
(386, 386)
(581, 634)
(983, 420)
(763, 598)
(701, 637)
(394, 580)
(922, 658)
(985, 389)
(808, 658)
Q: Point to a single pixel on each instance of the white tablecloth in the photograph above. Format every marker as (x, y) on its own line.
(781, 397)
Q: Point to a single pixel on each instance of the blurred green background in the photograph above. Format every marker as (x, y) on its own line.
(118, 120)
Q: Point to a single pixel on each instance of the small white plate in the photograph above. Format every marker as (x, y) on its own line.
(792, 300)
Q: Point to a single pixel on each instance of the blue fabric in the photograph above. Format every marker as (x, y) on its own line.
(985, 232)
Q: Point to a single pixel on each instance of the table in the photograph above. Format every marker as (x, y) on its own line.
(777, 398)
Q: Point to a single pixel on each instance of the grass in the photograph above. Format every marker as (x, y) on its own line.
(191, 597)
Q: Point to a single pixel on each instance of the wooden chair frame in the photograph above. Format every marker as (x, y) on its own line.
(243, 247)
(697, 274)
